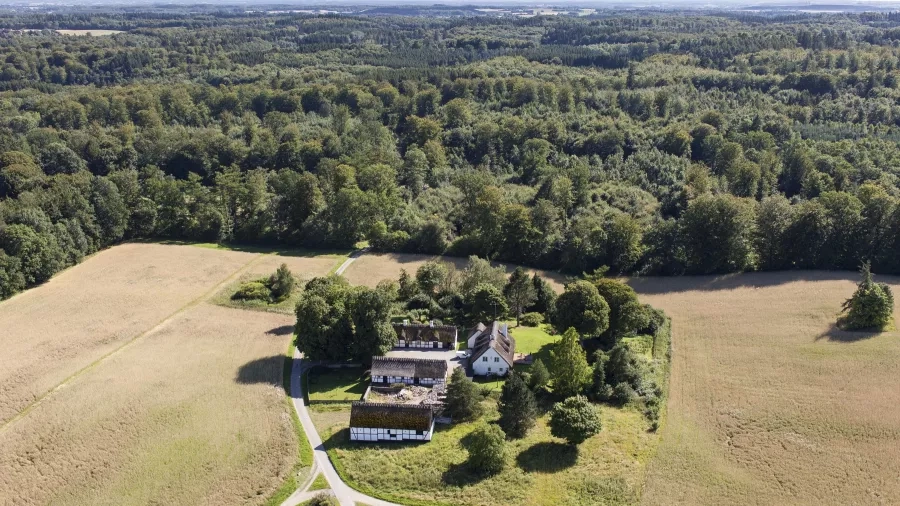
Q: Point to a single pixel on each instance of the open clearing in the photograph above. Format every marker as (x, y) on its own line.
(166, 399)
(371, 268)
(769, 404)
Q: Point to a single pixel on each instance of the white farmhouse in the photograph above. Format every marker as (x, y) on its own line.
(491, 350)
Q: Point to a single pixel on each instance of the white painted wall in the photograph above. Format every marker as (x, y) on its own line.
(369, 434)
(495, 364)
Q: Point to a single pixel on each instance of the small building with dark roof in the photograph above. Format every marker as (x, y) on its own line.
(492, 350)
(428, 336)
(374, 421)
(410, 371)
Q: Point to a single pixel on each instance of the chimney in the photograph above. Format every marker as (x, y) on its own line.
(431, 323)
(406, 321)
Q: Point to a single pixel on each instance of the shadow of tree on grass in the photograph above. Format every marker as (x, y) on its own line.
(837, 334)
(283, 330)
(268, 370)
(548, 457)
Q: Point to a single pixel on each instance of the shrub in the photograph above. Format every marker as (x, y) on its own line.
(575, 420)
(487, 449)
(532, 319)
(322, 499)
(252, 290)
(623, 393)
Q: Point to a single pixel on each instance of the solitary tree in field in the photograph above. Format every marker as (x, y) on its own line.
(462, 397)
(517, 407)
(575, 420)
(487, 449)
(871, 306)
(520, 292)
(281, 283)
(569, 367)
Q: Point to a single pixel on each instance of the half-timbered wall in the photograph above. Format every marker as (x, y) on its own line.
(377, 434)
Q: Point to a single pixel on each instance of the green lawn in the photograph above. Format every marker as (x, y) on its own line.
(320, 483)
(542, 470)
(345, 384)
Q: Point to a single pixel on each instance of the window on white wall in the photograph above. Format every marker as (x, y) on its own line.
(484, 359)
(496, 359)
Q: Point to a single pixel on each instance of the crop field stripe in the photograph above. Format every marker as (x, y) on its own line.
(209, 293)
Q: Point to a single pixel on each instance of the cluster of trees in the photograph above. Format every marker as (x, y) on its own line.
(338, 322)
(480, 292)
(561, 143)
(271, 290)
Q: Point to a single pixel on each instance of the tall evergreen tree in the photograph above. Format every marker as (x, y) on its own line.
(517, 407)
(871, 306)
(569, 368)
(462, 397)
(519, 291)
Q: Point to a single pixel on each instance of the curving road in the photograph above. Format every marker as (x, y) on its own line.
(344, 494)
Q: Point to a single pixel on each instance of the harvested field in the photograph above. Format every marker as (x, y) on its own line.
(193, 413)
(54, 330)
(371, 268)
(769, 403)
(158, 397)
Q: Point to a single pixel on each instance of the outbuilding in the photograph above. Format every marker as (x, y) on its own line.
(409, 371)
(373, 421)
(425, 336)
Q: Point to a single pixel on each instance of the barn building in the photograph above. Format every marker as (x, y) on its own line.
(373, 421)
(428, 336)
(491, 350)
(410, 371)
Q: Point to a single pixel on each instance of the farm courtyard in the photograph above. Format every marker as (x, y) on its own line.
(120, 383)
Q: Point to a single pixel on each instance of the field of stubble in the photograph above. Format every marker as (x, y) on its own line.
(769, 403)
(121, 384)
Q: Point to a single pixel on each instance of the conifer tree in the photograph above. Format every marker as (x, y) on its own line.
(540, 376)
(462, 397)
(871, 306)
(569, 367)
(517, 407)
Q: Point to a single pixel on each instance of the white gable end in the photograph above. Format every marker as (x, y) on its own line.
(490, 363)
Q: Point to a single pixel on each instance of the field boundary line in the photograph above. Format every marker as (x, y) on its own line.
(190, 304)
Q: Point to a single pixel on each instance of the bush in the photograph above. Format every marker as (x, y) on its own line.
(622, 393)
(252, 290)
(575, 420)
(487, 449)
(322, 499)
(532, 319)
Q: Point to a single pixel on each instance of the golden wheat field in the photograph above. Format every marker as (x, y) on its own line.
(155, 395)
(371, 268)
(769, 403)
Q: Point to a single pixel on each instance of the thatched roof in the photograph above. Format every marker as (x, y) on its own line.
(498, 339)
(409, 367)
(425, 332)
(391, 416)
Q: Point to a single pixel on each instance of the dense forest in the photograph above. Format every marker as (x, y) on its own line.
(649, 143)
